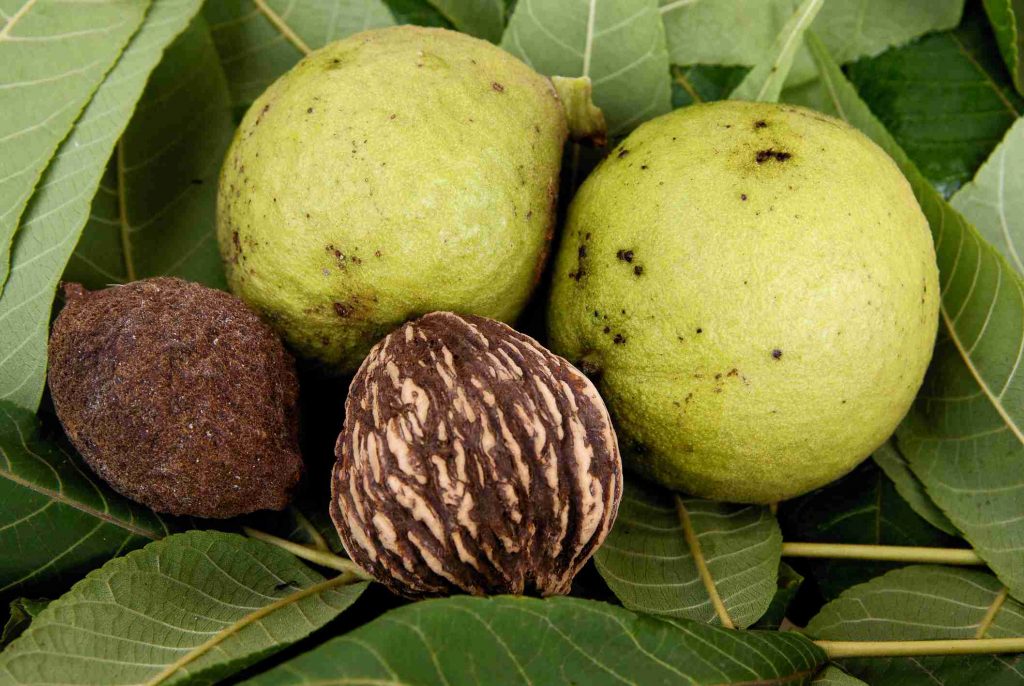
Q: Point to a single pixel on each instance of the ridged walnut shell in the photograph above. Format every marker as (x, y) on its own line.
(178, 396)
(473, 460)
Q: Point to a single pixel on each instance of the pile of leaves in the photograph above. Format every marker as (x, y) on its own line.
(114, 118)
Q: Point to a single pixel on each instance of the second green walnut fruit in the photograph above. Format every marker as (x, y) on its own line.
(754, 287)
(394, 173)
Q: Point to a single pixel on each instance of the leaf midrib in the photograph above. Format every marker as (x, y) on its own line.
(282, 26)
(693, 543)
(227, 632)
(91, 511)
(5, 32)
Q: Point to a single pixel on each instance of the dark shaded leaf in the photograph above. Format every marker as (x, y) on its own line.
(862, 507)
(787, 585)
(946, 99)
(895, 466)
(419, 12)
(506, 640)
(704, 83)
(926, 603)
(1007, 18)
(833, 676)
(21, 613)
(481, 18)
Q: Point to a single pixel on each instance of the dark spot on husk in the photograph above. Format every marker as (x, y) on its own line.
(760, 124)
(625, 255)
(498, 88)
(743, 196)
(763, 156)
(777, 354)
(699, 330)
(622, 153)
(619, 339)
(343, 311)
(638, 270)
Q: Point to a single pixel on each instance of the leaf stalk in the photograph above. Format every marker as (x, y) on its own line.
(305, 552)
(964, 646)
(893, 553)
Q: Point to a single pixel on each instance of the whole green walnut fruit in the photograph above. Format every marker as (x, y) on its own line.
(390, 174)
(754, 286)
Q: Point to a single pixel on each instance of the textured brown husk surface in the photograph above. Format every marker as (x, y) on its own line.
(178, 396)
(473, 460)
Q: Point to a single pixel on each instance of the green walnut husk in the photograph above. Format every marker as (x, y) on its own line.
(754, 288)
(397, 172)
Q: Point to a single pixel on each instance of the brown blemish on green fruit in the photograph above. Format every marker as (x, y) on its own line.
(768, 154)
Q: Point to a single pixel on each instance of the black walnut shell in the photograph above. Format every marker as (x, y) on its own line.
(473, 460)
(178, 396)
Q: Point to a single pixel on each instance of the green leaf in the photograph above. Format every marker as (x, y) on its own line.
(910, 488)
(704, 83)
(945, 99)
(833, 676)
(862, 507)
(742, 32)
(926, 603)
(1007, 18)
(764, 82)
(154, 212)
(619, 44)
(54, 56)
(21, 613)
(481, 18)
(54, 219)
(994, 200)
(419, 12)
(57, 520)
(654, 554)
(258, 40)
(788, 583)
(194, 607)
(963, 437)
(507, 640)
